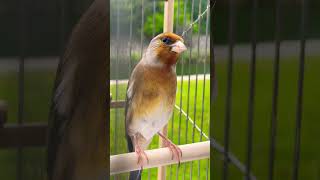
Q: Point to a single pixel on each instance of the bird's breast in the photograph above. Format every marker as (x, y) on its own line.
(154, 102)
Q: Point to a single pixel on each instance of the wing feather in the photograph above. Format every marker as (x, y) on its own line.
(79, 91)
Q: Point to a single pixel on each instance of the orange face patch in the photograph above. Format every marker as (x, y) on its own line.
(172, 36)
(164, 52)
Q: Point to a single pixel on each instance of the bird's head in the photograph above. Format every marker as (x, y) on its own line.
(165, 48)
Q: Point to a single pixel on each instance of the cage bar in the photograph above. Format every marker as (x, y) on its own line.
(130, 37)
(212, 77)
(21, 80)
(167, 27)
(229, 87)
(189, 74)
(251, 88)
(299, 107)
(204, 87)
(274, 113)
(181, 81)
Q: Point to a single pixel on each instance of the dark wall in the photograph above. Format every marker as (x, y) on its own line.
(290, 20)
(36, 27)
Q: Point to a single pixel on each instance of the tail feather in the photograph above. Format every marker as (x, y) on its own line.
(135, 175)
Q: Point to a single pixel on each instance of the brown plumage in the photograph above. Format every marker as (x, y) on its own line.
(151, 95)
(77, 141)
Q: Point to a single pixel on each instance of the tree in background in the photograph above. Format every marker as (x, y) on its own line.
(158, 17)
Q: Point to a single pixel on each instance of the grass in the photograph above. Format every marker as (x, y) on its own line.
(287, 98)
(38, 87)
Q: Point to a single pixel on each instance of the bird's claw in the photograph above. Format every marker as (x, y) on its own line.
(141, 155)
(175, 150)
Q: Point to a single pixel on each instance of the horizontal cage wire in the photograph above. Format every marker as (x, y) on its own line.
(133, 24)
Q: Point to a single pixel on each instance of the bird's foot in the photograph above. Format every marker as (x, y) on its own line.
(141, 156)
(175, 150)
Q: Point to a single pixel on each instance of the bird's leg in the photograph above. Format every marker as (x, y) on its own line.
(175, 150)
(140, 153)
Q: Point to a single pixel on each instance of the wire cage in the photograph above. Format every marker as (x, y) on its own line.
(133, 24)
(264, 68)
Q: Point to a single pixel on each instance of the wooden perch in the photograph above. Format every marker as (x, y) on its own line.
(159, 157)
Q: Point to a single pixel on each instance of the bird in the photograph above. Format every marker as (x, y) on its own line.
(77, 130)
(150, 97)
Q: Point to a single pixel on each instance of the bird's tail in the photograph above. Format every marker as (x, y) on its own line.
(134, 175)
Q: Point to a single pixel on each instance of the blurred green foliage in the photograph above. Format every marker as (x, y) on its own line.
(158, 17)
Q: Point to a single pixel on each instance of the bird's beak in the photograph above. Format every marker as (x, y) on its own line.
(178, 47)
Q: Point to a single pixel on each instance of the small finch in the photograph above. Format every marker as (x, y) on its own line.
(151, 96)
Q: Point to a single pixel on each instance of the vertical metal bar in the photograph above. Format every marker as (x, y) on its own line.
(207, 169)
(196, 72)
(172, 127)
(142, 25)
(62, 27)
(229, 89)
(117, 85)
(153, 35)
(299, 110)
(181, 81)
(61, 8)
(189, 73)
(130, 46)
(130, 38)
(117, 77)
(274, 113)
(251, 88)
(21, 94)
(154, 18)
(204, 86)
(21, 61)
(178, 15)
(204, 72)
(172, 121)
(212, 79)
(130, 50)
(167, 27)
(196, 88)
(172, 124)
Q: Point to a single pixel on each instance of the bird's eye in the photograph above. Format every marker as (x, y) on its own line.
(167, 40)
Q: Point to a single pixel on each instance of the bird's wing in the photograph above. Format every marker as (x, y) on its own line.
(130, 93)
(80, 89)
